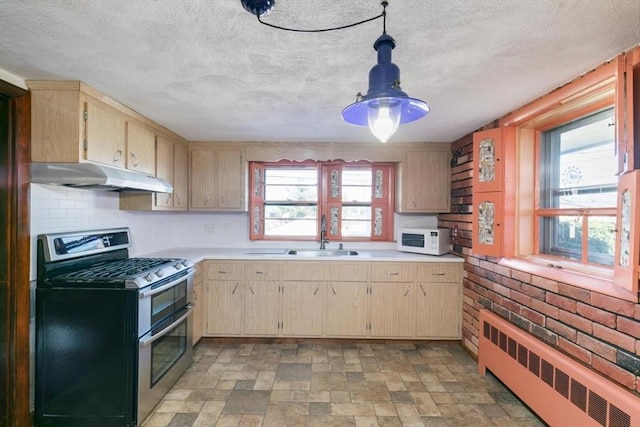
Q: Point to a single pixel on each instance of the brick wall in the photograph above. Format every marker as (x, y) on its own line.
(599, 331)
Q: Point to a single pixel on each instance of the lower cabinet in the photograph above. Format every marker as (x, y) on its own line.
(225, 299)
(303, 307)
(439, 301)
(199, 301)
(305, 299)
(346, 313)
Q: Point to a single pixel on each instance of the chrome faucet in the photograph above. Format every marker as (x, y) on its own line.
(323, 232)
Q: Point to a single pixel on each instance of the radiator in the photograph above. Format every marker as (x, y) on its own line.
(558, 389)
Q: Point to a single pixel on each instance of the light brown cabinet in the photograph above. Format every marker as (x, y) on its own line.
(439, 301)
(423, 181)
(141, 148)
(262, 298)
(199, 301)
(392, 300)
(335, 299)
(225, 299)
(171, 164)
(72, 123)
(217, 179)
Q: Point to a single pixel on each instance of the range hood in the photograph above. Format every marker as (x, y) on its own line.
(92, 176)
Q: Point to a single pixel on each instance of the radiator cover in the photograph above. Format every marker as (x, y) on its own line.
(560, 390)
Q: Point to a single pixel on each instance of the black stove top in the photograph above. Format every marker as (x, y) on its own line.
(97, 259)
(115, 271)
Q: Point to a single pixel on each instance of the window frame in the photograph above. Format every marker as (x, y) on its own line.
(325, 200)
(541, 174)
(605, 87)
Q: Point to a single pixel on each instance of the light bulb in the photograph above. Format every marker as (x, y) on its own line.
(384, 119)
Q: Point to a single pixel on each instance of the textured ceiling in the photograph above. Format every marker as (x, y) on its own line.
(209, 71)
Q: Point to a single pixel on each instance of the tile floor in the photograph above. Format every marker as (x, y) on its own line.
(336, 383)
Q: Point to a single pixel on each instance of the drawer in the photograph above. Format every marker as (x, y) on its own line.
(262, 271)
(393, 272)
(440, 273)
(224, 271)
(305, 271)
(351, 272)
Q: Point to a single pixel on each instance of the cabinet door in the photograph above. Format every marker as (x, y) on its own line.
(392, 310)
(225, 307)
(261, 308)
(487, 160)
(438, 310)
(426, 179)
(141, 148)
(486, 224)
(303, 306)
(230, 180)
(105, 134)
(627, 249)
(203, 179)
(198, 311)
(180, 176)
(164, 170)
(346, 309)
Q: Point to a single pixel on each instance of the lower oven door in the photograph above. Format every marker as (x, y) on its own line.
(165, 353)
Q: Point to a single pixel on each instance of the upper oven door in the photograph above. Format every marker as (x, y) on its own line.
(162, 300)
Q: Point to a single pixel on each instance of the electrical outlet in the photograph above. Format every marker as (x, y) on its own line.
(210, 228)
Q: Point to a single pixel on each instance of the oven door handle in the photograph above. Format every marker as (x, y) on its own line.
(166, 286)
(146, 341)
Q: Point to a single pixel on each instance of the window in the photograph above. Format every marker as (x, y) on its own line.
(568, 187)
(289, 200)
(578, 190)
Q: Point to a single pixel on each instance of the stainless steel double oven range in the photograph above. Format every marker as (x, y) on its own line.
(113, 333)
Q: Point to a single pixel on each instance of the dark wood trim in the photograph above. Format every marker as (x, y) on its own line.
(15, 404)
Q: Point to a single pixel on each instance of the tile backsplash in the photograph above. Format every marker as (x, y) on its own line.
(57, 209)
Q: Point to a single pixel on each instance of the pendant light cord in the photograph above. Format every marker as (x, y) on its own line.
(323, 30)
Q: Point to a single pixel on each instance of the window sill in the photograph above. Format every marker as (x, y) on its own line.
(597, 280)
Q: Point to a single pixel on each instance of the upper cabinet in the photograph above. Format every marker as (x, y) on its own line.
(72, 123)
(493, 166)
(141, 148)
(423, 180)
(171, 164)
(218, 179)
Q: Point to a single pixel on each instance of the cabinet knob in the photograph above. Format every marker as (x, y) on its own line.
(134, 160)
(117, 156)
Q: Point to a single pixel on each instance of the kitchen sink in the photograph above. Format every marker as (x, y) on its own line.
(321, 252)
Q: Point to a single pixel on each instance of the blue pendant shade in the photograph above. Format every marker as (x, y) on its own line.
(385, 106)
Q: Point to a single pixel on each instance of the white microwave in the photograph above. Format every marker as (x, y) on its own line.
(424, 241)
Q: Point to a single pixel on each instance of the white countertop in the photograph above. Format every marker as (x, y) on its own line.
(278, 254)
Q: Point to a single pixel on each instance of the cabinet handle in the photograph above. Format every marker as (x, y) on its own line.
(251, 289)
(117, 156)
(178, 199)
(169, 199)
(222, 272)
(425, 294)
(222, 201)
(316, 291)
(392, 274)
(333, 290)
(407, 291)
(195, 295)
(134, 160)
(206, 200)
(437, 274)
(260, 272)
(413, 202)
(234, 289)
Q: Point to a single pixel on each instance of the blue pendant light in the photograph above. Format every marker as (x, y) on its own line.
(385, 106)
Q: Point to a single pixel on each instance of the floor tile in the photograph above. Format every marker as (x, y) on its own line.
(337, 383)
(250, 402)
